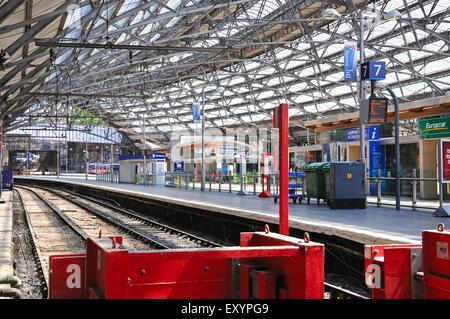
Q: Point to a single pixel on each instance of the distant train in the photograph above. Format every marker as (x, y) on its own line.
(102, 168)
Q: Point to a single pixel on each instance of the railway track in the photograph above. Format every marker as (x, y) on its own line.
(59, 222)
(50, 234)
(158, 235)
(94, 213)
(338, 292)
(333, 288)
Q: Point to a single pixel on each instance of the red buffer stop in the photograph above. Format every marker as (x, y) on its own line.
(265, 265)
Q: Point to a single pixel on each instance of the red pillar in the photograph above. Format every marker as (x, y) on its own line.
(283, 164)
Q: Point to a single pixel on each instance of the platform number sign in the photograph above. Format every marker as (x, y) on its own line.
(373, 71)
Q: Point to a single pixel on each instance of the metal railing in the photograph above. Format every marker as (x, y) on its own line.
(231, 183)
(413, 180)
(108, 177)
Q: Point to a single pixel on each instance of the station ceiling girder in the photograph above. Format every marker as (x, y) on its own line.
(262, 51)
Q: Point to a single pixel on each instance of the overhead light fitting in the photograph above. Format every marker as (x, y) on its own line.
(392, 15)
(220, 89)
(330, 14)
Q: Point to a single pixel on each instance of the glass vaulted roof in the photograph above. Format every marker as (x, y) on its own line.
(262, 52)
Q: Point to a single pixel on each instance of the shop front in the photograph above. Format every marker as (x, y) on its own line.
(432, 132)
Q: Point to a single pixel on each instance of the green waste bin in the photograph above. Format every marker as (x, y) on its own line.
(317, 181)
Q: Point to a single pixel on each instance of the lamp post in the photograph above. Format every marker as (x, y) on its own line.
(203, 172)
(362, 93)
(144, 180)
(67, 155)
(111, 161)
(86, 158)
(219, 89)
(382, 86)
(67, 158)
(333, 14)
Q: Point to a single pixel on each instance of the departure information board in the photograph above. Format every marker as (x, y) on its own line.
(377, 110)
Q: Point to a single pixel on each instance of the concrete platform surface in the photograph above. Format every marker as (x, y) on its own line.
(6, 223)
(369, 226)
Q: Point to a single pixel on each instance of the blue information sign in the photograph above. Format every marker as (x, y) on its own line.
(373, 71)
(178, 167)
(196, 112)
(372, 134)
(159, 156)
(377, 160)
(350, 61)
(106, 156)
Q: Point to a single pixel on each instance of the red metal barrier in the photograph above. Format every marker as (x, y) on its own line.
(390, 271)
(269, 266)
(411, 271)
(436, 263)
(66, 278)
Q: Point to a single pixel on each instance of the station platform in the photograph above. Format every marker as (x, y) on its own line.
(6, 224)
(373, 225)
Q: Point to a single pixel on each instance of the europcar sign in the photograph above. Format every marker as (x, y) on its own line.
(434, 128)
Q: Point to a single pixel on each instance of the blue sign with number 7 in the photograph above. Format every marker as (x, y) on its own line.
(373, 71)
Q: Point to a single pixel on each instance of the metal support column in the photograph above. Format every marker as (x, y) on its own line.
(284, 167)
(362, 92)
(58, 158)
(202, 186)
(378, 187)
(144, 181)
(67, 155)
(28, 156)
(414, 190)
(397, 148)
(111, 159)
(86, 159)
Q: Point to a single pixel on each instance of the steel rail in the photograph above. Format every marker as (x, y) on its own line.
(108, 219)
(344, 291)
(66, 220)
(130, 230)
(328, 285)
(148, 221)
(134, 215)
(35, 250)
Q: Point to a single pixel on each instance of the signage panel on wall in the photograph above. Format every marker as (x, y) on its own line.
(178, 166)
(159, 156)
(372, 134)
(445, 161)
(350, 48)
(377, 160)
(377, 110)
(434, 128)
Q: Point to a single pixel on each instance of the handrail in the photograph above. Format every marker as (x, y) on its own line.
(251, 181)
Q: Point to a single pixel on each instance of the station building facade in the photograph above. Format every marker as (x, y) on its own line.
(337, 139)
